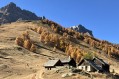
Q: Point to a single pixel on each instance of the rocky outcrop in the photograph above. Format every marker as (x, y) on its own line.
(82, 29)
(12, 13)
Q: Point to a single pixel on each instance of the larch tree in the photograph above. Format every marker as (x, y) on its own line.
(27, 44)
(33, 48)
(19, 41)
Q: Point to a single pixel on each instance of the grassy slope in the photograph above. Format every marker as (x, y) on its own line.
(17, 62)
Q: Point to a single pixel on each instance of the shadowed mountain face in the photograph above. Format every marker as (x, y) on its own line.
(82, 29)
(11, 13)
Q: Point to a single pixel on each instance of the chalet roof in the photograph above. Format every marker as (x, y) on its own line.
(51, 62)
(90, 62)
(100, 60)
(95, 66)
(66, 60)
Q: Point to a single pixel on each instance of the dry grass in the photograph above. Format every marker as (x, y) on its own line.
(19, 63)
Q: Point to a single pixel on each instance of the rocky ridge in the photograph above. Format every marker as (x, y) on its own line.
(11, 13)
(82, 29)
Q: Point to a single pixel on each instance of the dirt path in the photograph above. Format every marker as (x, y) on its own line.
(40, 74)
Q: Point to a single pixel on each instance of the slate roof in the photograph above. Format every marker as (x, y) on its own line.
(90, 62)
(100, 60)
(51, 62)
(95, 66)
(67, 60)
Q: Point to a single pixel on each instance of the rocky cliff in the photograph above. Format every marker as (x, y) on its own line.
(82, 29)
(11, 13)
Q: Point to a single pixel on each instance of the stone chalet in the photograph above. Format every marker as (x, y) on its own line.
(96, 64)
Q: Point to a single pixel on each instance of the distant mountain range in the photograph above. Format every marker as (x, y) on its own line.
(82, 29)
(11, 13)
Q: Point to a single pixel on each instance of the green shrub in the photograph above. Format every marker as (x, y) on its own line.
(88, 55)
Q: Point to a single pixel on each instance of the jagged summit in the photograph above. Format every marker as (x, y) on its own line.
(82, 29)
(11, 13)
(11, 4)
(8, 7)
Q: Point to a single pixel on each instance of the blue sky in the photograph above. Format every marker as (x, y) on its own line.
(100, 16)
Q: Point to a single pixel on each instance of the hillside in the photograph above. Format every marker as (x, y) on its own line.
(25, 46)
(18, 62)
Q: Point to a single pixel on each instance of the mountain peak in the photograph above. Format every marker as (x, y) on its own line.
(9, 7)
(80, 28)
(11, 13)
(12, 4)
